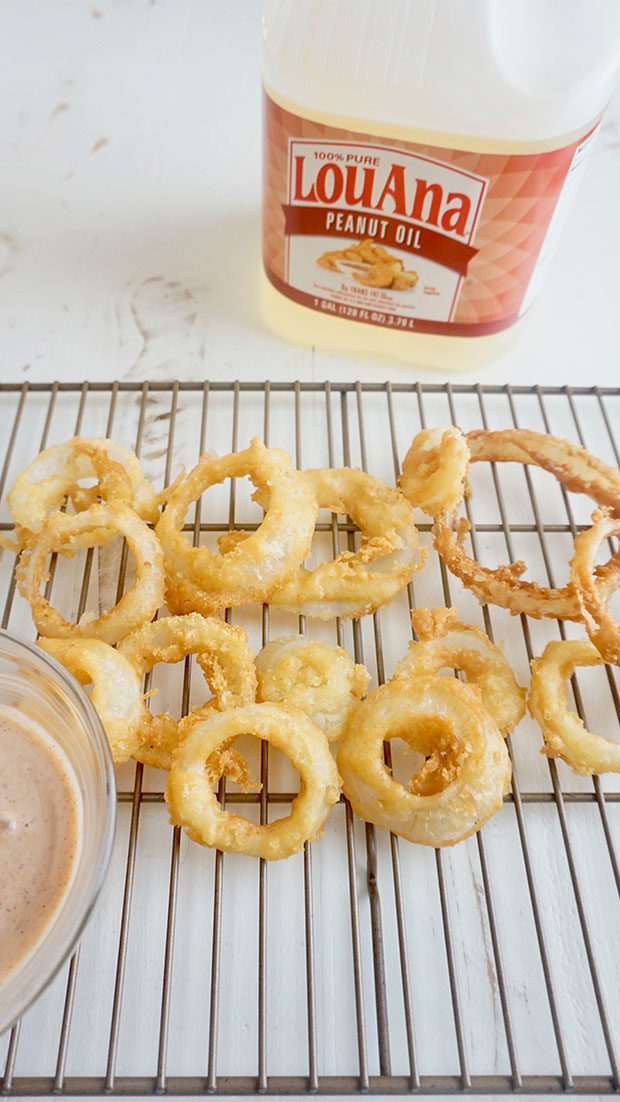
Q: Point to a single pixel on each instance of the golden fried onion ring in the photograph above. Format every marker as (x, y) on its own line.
(466, 774)
(601, 626)
(193, 804)
(224, 657)
(356, 583)
(576, 469)
(435, 470)
(319, 678)
(204, 581)
(564, 733)
(116, 693)
(571, 464)
(68, 533)
(444, 642)
(54, 475)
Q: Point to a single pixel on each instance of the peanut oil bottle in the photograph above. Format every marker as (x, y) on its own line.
(419, 161)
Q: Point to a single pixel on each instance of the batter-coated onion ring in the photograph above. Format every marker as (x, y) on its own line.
(54, 475)
(466, 774)
(356, 583)
(564, 733)
(445, 642)
(224, 657)
(193, 804)
(204, 581)
(435, 470)
(116, 693)
(603, 629)
(576, 469)
(571, 464)
(68, 533)
(319, 678)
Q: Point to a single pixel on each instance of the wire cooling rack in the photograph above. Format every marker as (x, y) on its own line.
(364, 964)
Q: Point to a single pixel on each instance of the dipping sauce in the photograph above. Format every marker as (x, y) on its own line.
(40, 815)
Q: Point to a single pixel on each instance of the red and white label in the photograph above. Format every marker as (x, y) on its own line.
(400, 235)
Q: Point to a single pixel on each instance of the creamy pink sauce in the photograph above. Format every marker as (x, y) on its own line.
(39, 835)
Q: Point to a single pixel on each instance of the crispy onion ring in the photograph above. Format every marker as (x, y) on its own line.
(435, 470)
(357, 583)
(445, 642)
(576, 469)
(319, 678)
(54, 475)
(466, 774)
(193, 804)
(116, 693)
(204, 581)
(67, 533)
(224, 657)
(571, 464)
(601, 626)
(564, 733)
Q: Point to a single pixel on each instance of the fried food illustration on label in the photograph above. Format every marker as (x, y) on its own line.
(373, 266)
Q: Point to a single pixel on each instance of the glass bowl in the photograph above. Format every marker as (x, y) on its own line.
(39, 687)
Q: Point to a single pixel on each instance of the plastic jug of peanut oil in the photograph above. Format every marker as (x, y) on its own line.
(419, 160)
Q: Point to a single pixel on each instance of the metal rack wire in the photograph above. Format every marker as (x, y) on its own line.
(391, 991)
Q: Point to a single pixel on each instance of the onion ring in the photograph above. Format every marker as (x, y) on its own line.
(576, 469)
(224, 657)
(205, 581)
(564, 732)
(445, 642)
(357, 583)
(466, 774)
(193, 804)
(67, 533)
(319, 678)
(53, 477)
(116, 693)
(600, 625)
(571, 464)
(435, 470)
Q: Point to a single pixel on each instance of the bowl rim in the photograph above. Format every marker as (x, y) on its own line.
(73, 688)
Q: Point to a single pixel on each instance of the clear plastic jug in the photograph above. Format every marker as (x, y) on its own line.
(419, 160)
